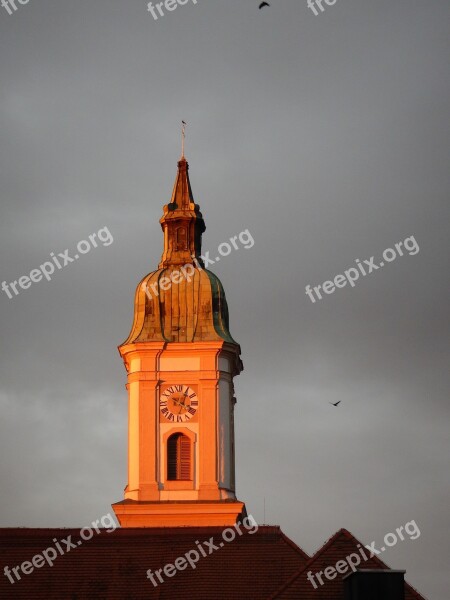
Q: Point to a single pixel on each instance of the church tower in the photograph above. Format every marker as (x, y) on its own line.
(180, 360)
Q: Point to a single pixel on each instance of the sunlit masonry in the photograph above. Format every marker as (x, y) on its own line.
(181, 359)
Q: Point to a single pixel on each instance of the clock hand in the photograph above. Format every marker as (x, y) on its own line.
(179, 403)
(185, 397)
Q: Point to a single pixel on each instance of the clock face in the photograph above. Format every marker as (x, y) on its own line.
(178, 403)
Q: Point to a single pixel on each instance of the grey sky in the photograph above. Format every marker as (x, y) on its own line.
(327, 137)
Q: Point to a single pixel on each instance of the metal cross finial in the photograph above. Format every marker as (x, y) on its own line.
(183, 137)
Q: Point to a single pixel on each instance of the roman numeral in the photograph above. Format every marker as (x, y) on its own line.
(179, 388)
(192, 395)
(194, 403)
(179, 419)
(171, 417)
(191, 410)
(163, 403)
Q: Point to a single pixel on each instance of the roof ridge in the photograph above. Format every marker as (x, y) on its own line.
(321, 550)
(297, 574)
(294, 545)
(414, 592)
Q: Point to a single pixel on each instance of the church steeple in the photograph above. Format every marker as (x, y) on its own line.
(180, 360)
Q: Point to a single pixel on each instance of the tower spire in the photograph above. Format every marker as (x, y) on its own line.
(182, 221)
(183, 137)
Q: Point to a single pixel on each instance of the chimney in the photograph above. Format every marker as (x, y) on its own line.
(375, 584)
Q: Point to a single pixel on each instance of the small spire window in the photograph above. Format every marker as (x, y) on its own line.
(181, 239)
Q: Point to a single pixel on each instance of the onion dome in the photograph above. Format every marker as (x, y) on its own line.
(181, 301)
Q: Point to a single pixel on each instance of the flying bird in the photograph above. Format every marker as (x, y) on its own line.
(335, 403)
(263, 4)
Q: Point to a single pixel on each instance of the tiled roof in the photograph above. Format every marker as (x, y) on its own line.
(113, 565)
(338, 547)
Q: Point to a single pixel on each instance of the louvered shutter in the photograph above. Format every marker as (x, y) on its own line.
(184, 463)
(172, 444)
(178, 458)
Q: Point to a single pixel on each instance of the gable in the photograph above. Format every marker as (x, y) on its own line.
(339, 554)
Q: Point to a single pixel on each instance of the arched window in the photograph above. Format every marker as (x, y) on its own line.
(178, 458)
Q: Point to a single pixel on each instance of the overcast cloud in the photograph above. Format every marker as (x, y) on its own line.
(327, 137)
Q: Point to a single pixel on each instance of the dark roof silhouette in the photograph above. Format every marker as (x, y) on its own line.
(339, 546)
(113, 566)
